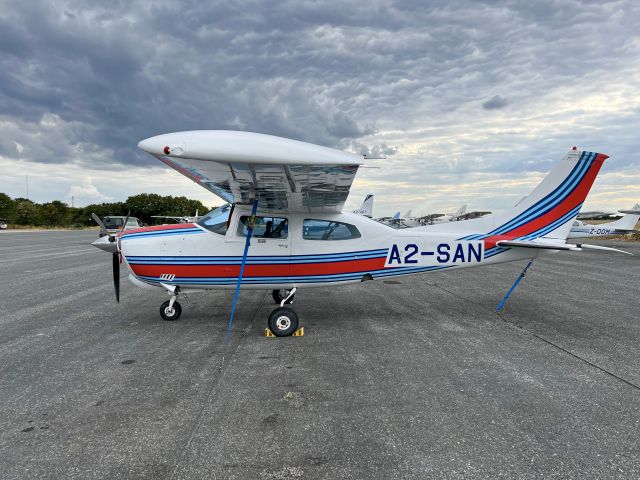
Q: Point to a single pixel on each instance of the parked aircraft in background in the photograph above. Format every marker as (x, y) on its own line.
(390, 221)
(460, 214)
(597, 215)
(624, 225)
(288, 196)
(183, 219)
(445, 217)
(366, 208)
(113, 224)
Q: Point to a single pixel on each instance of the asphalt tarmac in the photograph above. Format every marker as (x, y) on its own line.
(412, 378)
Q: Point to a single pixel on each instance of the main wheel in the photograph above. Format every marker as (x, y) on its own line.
(283, 321)
(172, 313)
(279, 295)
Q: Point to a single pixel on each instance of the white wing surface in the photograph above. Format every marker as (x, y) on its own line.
(282, 174)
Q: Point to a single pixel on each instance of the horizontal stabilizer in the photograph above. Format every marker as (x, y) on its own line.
(535, 244)
(600, 247)
(556, 246)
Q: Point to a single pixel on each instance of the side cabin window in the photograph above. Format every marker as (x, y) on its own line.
(265, 227)
(328, 230)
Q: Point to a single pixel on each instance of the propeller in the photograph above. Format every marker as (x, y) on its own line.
(115, 266)
(96, 219)
(125, 221)
(116, 257)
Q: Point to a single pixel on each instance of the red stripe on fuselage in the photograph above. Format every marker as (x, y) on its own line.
(300, 269)
(572, 201)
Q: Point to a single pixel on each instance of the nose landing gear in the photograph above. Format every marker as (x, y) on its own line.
(171, 309)
(170, 312)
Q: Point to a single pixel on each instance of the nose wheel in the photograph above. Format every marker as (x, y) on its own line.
(170, 310)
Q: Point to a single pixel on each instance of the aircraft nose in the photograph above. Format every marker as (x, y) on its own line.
(103, 243)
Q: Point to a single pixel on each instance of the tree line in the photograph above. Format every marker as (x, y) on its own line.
(22, 211)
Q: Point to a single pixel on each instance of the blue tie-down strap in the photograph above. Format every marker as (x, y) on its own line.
(250, 225)
(513, 287)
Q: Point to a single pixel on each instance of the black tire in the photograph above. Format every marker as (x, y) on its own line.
(283, 322)
(170, 316)
(278, 296)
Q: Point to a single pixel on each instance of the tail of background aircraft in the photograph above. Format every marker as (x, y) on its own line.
(366, 208)
(461, 211)
(630, 219)
(407, 215)
(551, 208)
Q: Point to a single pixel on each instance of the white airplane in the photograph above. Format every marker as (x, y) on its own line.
(409, 220)
(624, 225)
(390, 221)
(284, 229)
(366, 209)
(450, 217)
(398, 221)
(183, 219)
(597, 215)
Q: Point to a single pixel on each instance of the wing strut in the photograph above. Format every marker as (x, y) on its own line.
(513, 287)
(250, 224)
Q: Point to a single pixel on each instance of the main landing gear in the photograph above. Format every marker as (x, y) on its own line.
(283, 321)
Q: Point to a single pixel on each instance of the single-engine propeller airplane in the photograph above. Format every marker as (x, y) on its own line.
(283, 228)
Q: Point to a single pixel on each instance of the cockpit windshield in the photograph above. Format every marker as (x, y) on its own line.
(216, 220)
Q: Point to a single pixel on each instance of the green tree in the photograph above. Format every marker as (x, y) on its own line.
(27, 213)
(7, 208)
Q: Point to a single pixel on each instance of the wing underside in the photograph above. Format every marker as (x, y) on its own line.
(277, 187)
(239, 167)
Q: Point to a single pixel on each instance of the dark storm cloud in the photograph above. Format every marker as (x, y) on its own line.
(495, 103)
(83, 81)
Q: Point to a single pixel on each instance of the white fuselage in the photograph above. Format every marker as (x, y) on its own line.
(192, 257)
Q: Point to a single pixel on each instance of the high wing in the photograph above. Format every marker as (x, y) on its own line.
(282, 174)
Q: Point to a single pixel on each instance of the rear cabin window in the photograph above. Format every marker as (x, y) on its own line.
(265, 227)
(328, 230)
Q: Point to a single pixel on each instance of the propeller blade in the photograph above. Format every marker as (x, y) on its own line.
(125, 221)
(115, 263)
(96, 219)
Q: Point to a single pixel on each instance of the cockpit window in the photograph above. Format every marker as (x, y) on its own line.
(328, 230)
(265, 227)
(216, 220)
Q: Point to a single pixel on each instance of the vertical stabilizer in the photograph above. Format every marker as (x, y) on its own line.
(630, 219)
(366, 208)
(550, 209)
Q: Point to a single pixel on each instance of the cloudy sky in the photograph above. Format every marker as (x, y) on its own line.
(471, 102)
